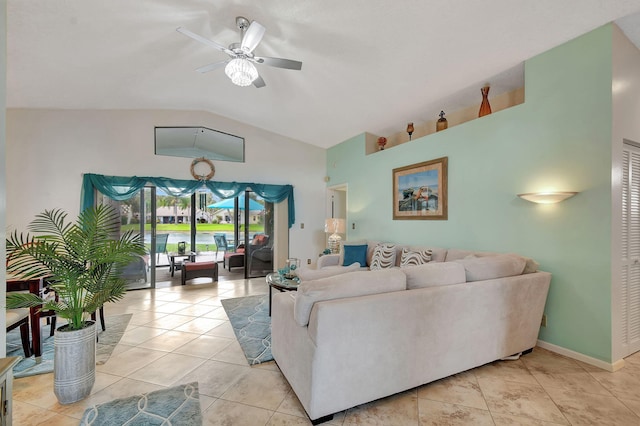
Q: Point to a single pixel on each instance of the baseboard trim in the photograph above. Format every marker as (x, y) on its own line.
(611, 367)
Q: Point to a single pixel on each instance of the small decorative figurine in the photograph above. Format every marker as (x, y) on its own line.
(442, 122)
(382, 141)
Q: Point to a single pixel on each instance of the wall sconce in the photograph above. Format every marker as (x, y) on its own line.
(335, 226)
(546, 197)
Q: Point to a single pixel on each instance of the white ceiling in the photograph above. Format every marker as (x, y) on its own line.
(368, 65)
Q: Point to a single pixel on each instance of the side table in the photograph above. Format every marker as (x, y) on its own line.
(274, 280)
(173, 265)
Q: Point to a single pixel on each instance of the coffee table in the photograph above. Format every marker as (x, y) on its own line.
(281, 284)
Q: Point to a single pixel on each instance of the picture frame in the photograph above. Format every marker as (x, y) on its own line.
(420, 191)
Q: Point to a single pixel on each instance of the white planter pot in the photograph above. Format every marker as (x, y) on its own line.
(74, 363)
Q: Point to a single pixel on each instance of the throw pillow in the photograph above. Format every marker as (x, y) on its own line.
(353, 254)
(384, 256)
(414, 257)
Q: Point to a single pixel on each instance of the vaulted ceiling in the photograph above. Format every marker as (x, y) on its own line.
(368, 65)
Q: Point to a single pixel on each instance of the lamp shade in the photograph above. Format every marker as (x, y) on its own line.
(335, 226)
(546, 197)
(241, 72)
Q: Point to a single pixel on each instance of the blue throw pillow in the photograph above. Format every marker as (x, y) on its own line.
(353, 254)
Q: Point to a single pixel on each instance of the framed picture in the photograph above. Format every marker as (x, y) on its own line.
(420, 191)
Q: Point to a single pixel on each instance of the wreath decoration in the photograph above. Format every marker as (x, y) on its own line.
(208, 163)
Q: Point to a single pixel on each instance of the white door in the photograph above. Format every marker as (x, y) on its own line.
(630, 240)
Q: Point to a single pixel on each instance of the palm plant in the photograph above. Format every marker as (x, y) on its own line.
(81, 261)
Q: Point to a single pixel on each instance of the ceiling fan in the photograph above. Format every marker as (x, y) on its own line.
(240, 66)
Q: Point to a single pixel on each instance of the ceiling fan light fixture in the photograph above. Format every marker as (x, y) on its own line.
(241, 72)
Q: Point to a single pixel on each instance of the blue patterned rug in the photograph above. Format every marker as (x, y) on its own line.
(179, 405)
(107, 340)
(251, 322)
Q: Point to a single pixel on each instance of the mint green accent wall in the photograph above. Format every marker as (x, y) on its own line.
(560, 138)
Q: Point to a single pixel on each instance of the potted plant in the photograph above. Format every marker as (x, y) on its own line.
(81, 261)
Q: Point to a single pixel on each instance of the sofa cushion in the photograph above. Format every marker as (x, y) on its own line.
(353, 254)
(306, 274)
(491, 267)
(412, 257)
(434, 274)
(352, 284)
(457, 254)
(384, 256)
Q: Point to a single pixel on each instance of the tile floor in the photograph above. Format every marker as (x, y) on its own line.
(180, 334)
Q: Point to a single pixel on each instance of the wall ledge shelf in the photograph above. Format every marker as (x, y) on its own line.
(454, 118)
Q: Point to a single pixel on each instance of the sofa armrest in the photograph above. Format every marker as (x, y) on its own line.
(328, 260)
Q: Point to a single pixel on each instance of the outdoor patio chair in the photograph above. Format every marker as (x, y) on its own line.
(222, 244)
(161, 246)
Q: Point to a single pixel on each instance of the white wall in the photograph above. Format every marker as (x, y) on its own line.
(49, 150)
(626, 110)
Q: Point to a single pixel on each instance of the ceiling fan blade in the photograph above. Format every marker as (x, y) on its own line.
(252, 37)
(212, 66)
(204, 40)
(259, 82)
(279, 62)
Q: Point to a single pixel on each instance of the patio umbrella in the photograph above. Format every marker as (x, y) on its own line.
(228, 204)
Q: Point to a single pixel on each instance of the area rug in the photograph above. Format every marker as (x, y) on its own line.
(107, 341)
(179, 405)
(249, 317)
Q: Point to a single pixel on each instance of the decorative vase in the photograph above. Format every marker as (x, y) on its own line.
(292, 265)
(410, 129)
(382, 141)
(74, 363)
(442, 122)
(485, 108)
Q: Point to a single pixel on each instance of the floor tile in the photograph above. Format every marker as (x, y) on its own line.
(460, 389)
(622, 383)
(228, 413)
(200, 325)
(578, 382)
(215, 378)
(232, 354)
(169, 341)
(140, 334)
(259, 388)
(513, 371)
(170, 321)
(281, 419)
(399, 409)
(546, 362)
(520, 399)
(435, 413)
(507, 420)
(586, 409)
(204, 346)
(223, 330)
(167, 370)
(127, 362)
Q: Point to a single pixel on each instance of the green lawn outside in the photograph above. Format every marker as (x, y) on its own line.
(163, 228)
(186, 227)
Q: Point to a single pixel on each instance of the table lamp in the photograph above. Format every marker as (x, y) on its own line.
(335, 226)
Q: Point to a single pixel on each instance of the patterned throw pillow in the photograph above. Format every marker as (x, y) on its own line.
(384, 256)
(414, 257)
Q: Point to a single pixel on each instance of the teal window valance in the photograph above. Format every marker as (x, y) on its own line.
(121, 188)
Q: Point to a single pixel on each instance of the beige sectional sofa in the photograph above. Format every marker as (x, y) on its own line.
(357, 336)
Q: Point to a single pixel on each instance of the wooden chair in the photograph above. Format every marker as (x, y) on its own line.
(20, 318)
